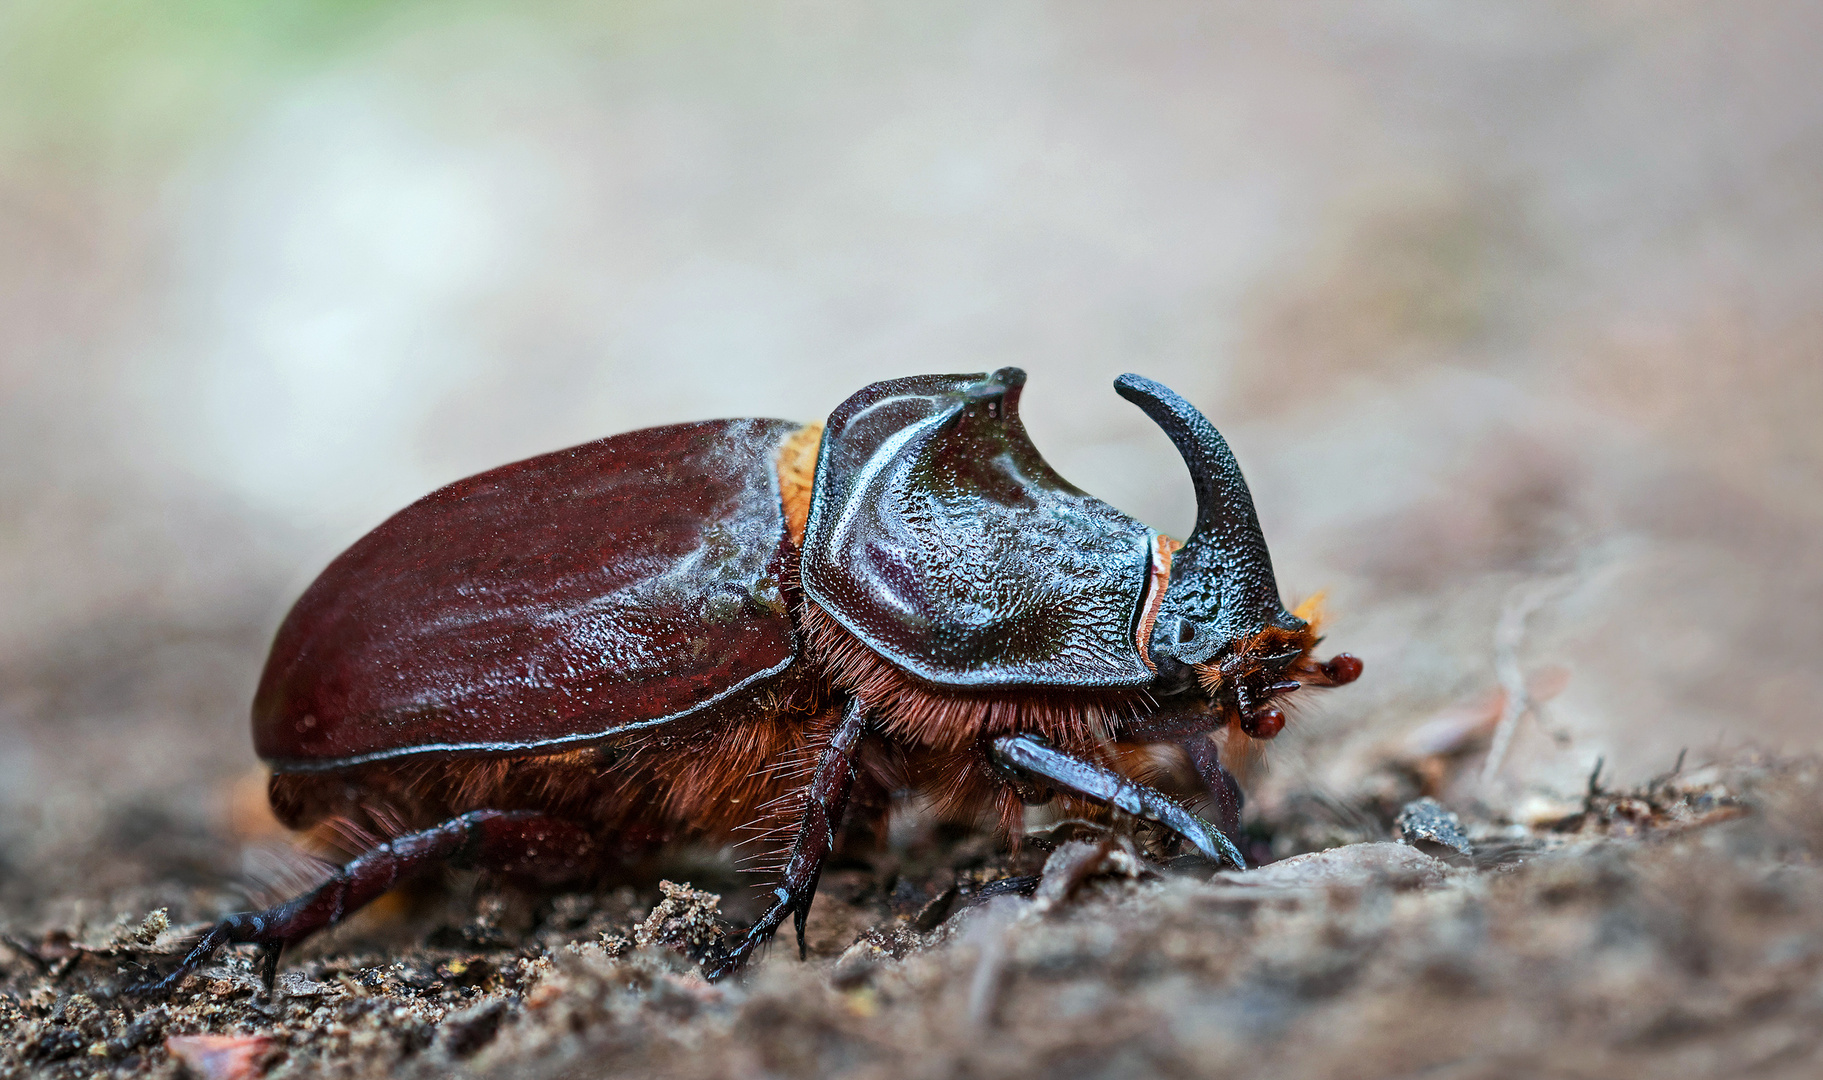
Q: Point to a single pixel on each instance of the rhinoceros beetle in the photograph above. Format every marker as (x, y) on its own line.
(680, 632)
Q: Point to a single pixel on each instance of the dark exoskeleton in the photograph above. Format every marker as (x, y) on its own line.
(546, 667)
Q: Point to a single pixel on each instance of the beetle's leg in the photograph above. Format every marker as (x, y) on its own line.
(266, 960)
(1024, 754)
(1225, 796)
(824, 805)
(488, 839)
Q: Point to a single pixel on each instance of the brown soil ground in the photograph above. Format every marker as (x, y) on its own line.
(1673, 930)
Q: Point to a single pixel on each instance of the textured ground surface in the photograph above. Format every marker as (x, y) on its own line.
(1675, 930)
(1511, 313)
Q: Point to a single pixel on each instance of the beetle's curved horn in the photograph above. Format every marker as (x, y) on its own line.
(1222, 587)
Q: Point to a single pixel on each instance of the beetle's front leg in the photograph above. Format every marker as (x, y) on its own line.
(1032, 757)
(824, 805)
(1225, 797)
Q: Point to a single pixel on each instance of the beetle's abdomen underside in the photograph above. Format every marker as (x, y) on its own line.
(614, 586)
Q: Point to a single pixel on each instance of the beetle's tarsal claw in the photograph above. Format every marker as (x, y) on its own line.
(714, 961)
(220, 934)
(720, 959)
(724, 956)
(267, 961)
(145, 988)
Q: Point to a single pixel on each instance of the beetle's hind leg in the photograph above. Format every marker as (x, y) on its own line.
(520, 843)
(1032, 757)
(825, 803)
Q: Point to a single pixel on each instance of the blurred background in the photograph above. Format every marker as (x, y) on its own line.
(1510, 312)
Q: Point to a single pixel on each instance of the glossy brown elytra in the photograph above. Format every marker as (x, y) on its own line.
(679, 632)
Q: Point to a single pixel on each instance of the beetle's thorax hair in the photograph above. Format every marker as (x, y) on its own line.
(941, 718)
(1244, 661)
(938, 731)
(719, 781)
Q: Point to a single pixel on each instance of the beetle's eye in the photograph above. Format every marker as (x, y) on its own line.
(1186, 631)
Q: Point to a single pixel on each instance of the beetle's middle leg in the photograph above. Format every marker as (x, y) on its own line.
(513, 842)
(824, 805)
(1033, 757)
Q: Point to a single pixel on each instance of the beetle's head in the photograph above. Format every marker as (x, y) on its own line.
(1221, 629)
